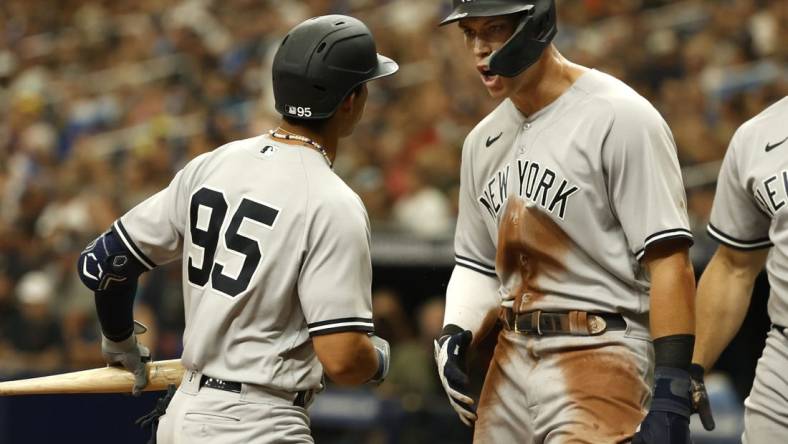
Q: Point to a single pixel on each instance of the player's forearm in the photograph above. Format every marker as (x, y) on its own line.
(472, 302)
(724, 293)
(356, 372)
(348, 358)
(115, 313)
(672, 294)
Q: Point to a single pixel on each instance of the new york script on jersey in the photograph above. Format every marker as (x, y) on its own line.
(529, 180)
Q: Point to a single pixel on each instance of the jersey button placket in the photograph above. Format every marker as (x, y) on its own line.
(521, 149)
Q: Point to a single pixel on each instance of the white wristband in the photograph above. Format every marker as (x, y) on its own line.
(471, 300)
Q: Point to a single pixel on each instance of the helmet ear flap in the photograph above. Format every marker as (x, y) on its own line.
(546, 25)
(533, 34)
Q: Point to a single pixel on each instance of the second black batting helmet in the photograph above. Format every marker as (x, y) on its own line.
(320, 62)
(534, 32)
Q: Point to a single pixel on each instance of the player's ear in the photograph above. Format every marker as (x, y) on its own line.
(347, 102)
(355, 99)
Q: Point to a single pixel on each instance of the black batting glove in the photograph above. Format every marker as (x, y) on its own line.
(700, 398)
(667, 421)
(450, 356)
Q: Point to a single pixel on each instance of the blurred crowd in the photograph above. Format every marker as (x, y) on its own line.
(102, 101)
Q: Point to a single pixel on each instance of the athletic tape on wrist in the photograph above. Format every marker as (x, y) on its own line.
(674, 351)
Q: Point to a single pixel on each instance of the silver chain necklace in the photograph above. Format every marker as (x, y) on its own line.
(287, 135)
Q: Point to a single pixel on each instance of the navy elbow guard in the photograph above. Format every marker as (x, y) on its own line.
(106, 264)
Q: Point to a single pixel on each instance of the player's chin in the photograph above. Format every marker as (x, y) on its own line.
(496, 86)
(499, 93)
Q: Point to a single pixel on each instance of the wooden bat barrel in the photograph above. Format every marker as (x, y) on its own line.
(98, 380)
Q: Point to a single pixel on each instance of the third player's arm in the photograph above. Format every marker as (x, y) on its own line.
(672, 289)
(724, 293)
(348, 358)
(672, 329)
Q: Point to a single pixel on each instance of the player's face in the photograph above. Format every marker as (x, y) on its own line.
(483, 36)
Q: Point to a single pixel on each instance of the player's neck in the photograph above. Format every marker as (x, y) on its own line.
(327, 137)
(546, 81)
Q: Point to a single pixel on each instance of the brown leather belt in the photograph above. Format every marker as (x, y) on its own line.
(575, 323)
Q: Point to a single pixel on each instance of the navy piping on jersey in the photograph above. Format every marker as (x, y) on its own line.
(474, 265)
(124, 236)
(738, 244)
(663, 235)
(341, 324)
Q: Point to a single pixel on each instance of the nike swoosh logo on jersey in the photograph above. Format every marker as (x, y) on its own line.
(491, 140)
(769, 147)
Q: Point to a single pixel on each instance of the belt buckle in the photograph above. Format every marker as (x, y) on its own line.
(596, 324)
(536, 319)
(516, 324)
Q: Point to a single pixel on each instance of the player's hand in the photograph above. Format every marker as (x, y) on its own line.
(130, 354)
(700, 398)
(450, 353)
(384, 357)
(667, 421)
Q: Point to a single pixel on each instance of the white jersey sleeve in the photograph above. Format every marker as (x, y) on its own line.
(473, 247)
(736, 219)
(334, 284)
(644, 178)
(153, 230)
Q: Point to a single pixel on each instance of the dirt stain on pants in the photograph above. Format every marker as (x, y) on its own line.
(564, 389)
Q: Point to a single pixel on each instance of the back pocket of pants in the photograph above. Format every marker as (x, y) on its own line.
(211, 417)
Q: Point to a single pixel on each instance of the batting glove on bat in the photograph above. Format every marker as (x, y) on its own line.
(700, 398)
(130, 354)
(450, 350)
(384, 357)
(667, 421)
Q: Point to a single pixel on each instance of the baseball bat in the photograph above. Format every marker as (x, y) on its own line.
(98, 380)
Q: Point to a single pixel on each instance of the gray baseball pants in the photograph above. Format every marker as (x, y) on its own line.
(766, 409)
(565, 389)
(256, 415)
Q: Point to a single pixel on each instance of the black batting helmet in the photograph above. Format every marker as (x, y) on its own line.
(535, 31)
(320, 62)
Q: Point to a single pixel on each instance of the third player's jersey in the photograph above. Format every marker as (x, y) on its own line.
(562, 205)
(275, 248)
(752, 192)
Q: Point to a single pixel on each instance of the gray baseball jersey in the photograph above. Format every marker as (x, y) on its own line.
(562, 205)
(749, 214)
(751, 192)
(275, 248)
